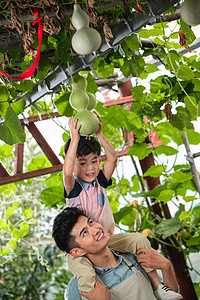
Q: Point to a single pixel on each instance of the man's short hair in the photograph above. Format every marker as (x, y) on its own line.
(62, 227)
(85, 146)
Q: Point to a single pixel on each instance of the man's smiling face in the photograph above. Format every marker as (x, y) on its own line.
(90, 236)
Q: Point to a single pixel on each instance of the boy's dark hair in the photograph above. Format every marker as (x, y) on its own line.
(85, 146)
(62, 227)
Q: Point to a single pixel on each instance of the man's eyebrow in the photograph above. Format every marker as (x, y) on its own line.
(88, 221)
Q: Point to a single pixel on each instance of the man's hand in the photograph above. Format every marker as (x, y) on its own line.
(100, 292)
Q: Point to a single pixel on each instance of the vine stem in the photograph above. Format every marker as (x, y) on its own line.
(70, 71)
(175, 73)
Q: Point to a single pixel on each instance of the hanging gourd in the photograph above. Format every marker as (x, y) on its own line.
(83, 102)
(86, 39)
(88, 120)
(190, 12)
(78, 99)
(81, 82)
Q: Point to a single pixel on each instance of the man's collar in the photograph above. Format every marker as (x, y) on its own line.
(101, 270)
(85, 184)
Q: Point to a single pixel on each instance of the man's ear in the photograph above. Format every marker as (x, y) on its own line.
(78, 252)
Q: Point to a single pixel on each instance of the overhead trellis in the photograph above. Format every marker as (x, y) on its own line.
(109, 13)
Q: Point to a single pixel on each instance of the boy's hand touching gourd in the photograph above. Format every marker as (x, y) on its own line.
(100, 124)
(73, 130)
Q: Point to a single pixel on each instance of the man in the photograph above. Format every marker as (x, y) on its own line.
(121, 276)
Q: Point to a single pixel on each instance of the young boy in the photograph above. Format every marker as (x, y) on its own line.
(85, 188)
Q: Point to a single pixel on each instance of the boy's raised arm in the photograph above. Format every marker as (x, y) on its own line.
(111, 155)
(69, 162)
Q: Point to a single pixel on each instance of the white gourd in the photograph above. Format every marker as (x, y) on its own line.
(190, 12)
(86, 39)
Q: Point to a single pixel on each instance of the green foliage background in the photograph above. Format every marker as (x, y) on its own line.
(27, 268)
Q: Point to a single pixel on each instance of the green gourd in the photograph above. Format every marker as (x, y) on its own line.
(190, 12)
(86, 39)
(89, 122)
(92, 101)
(81, 81)
(78, 99)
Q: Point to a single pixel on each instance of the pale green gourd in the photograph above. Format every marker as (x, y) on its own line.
(78, 99)
(92, 101)
(81, 81)
(89, 122)
(190, 12)
(86, 39)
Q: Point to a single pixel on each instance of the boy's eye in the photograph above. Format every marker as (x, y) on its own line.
(82, 164)
(94, 161)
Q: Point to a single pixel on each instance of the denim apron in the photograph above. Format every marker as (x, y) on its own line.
(135, 287)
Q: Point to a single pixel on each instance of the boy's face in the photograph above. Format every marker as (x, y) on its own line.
(86, 167)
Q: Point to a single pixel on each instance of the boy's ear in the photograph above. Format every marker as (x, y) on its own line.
(77, 252)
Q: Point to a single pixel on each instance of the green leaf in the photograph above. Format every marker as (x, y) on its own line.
(168, 133)
(18, 106)
(132, 42)
(45, 67)
(53, 195)
(6, 151)
(194, 241)
(11, 131)
(62, 103)
(179, 176)
(15, 233)
(15, 205)
(192, 106)
(155, 171)
(4, 93)
(140, 150)
(24, 228)
(4, 251)
(9, 212)
(168, 227)
(184, 215)
(91, 84)
(12, 244)
(39, 163)
(122, 213)
(185, 73)
(166, 195)
(102, 68)
(3, 225)
(193, 137)
(182, 119)
(167, 150)
(189, 198)
(188, 31)
(27, 212)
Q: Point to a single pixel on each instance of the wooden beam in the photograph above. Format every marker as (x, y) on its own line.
(122, 100)
(18, 158)
(43, 144)
(32, 174)
(34, 119)
(3, 172)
